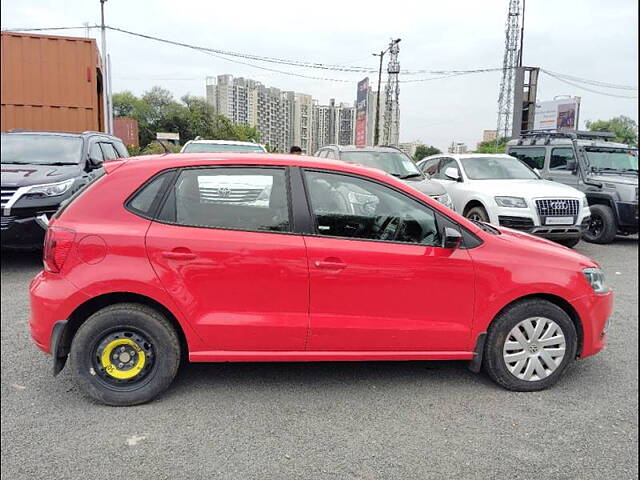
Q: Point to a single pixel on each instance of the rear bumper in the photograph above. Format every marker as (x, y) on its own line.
(595, 312)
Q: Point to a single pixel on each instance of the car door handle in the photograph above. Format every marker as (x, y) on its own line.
(179, 254)
(330, 264)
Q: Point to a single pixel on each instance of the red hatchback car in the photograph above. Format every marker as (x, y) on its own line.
(240, 257)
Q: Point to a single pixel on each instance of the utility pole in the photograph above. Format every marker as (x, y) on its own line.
(376, 135)
(105, 73)
(392, 97)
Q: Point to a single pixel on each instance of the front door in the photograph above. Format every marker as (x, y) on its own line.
(558, 170)
(223, 250)
(380, 281)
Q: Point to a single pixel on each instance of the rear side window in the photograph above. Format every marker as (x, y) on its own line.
(121, 149)
(559, 157)
(251, 199)
(108, 151)
(146, 200)
(534, 157)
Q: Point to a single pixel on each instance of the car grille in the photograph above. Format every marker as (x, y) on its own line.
(517, 223)
(6, 222)
(229, 194)
(558, 207)
(6, 194)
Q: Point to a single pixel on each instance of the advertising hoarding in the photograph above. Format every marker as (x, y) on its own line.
(561, 114)
(361, 112)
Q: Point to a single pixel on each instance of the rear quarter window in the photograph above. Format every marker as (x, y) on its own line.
(534, 156)
(146, 199)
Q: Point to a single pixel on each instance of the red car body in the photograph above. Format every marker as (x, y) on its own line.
(268, 296)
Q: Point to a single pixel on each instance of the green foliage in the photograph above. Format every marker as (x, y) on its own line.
(425, 151)
(624, 128)
(155, 148)
(491, 147)
(271, 149)
(133, 150)
(191, 116)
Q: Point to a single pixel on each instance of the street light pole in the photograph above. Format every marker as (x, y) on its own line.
(105, 73)
(376, 134)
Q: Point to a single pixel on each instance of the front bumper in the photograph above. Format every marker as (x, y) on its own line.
(594, 311)
(23, 231)
(527, 224)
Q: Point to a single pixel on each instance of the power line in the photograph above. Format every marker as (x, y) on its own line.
(591, 82)
(586, 88)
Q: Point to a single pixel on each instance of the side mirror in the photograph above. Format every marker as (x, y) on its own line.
(572, 165)
(452, 238)
(452, 174)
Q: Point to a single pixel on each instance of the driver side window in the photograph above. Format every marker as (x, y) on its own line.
(352, 207)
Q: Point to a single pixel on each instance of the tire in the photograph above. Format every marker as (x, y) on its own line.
(602, 227)
(496, 349)
(118, 329)
(478, 213)
(569, 242)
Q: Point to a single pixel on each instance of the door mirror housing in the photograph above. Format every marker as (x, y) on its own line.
(572, 165)
(452, 238)
(452, 174)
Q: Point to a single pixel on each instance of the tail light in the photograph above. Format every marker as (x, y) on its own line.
(57, 245)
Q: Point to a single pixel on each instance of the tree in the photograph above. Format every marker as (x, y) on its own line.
(624, 128)
(490, 146)
(425, 151)
(157, 111)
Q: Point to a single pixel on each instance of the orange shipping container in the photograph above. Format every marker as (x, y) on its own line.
(50, 83)
(126, 129)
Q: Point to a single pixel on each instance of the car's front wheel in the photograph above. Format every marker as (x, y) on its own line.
(125, 354)
(477, 214)
(529, 345)
(602, 226)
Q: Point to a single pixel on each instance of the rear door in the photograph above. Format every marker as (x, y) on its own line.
(223, 248)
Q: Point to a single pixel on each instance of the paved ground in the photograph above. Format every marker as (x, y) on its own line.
(356, 420)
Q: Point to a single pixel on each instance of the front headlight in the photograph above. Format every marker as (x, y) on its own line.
(444, 199)
(511, 202)
(51, 189)
(596, 279)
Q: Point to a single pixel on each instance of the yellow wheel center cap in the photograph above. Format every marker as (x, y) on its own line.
(122, 358)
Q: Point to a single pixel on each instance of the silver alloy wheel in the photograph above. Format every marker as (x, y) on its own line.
(534, 349)
(475, 217)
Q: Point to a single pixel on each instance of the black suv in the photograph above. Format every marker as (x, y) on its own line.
(42, 169)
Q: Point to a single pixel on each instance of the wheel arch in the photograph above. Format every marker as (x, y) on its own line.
(557, 301)
(472, 204)
(91, 306)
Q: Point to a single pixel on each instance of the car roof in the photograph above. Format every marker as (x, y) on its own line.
(224, 142)
(354, 148)
(459, 156)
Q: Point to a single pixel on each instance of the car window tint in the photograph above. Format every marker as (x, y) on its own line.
(446, 163)
(559, 157)
(253, 199)
(121, 149)
(534, 157)
(351, 207)
(96, 152)
(430, 167)
(108, 151)
(143, 200)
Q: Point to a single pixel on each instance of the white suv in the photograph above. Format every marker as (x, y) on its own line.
(214, 146)
(501, 190)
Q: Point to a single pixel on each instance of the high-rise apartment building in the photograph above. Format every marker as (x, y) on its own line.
(285, 118)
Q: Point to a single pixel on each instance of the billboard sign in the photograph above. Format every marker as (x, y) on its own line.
(361, 112)
(562, 114)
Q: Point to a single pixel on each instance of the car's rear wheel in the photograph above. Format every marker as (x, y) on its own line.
(125, 354)
(529, 346)
(478, 214)
(602, 226)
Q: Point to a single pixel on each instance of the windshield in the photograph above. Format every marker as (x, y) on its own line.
(609, 159)
(497, 168)
(394, 163)
(218, 147)
(41, 149)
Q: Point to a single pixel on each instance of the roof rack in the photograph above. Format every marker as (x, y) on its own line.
(547, 135)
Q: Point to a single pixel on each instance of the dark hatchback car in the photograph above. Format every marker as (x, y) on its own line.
(392, 161)
(40, 170)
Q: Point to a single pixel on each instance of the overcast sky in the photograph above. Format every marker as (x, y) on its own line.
(594, 39)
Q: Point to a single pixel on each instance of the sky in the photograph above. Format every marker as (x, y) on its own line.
(593, 39)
